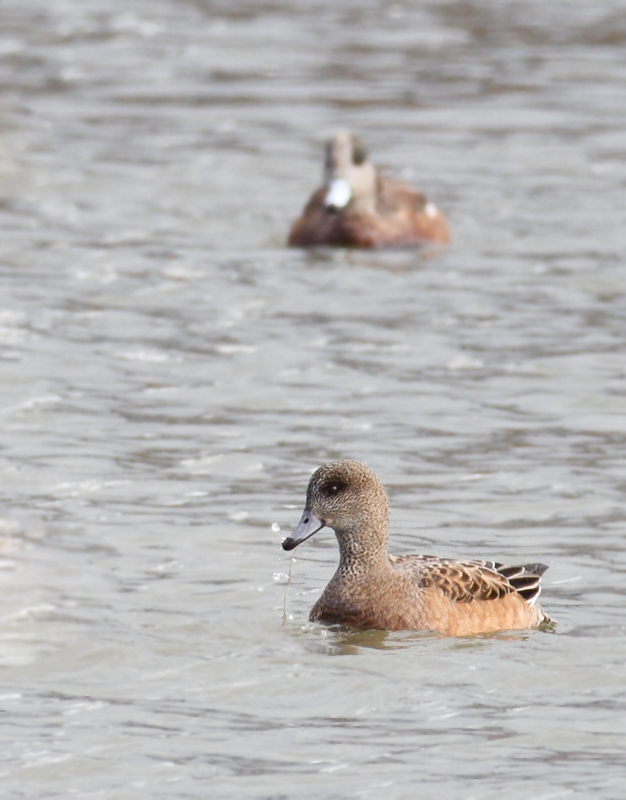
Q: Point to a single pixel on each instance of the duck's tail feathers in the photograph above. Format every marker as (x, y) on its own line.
(525, 579)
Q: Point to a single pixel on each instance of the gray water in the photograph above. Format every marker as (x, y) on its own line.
(171, 375)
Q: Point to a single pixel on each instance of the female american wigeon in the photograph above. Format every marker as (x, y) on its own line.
(372, 589)
(358, 208)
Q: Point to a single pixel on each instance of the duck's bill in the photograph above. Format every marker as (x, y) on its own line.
(308, 525)
(338, 195)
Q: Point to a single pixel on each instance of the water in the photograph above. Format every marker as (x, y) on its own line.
(171, 375)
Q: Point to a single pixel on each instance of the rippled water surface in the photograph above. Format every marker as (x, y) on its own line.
(171, 375)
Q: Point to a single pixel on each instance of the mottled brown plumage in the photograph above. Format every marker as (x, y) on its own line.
(372, 589)
(356, 207)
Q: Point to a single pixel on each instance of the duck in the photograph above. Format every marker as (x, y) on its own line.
(357, 207)
(372, 589)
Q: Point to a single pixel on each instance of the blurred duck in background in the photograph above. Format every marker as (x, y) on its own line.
(356, 207)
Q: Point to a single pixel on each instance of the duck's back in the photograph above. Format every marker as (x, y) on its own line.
(402, 217)
(465, 597)
(416, 592)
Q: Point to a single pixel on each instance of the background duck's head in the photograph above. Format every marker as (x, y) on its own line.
(350, 178)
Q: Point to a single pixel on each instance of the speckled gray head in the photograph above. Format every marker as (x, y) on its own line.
(345, 496)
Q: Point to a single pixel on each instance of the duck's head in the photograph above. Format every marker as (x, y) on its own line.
(349, 176)
(347, 497)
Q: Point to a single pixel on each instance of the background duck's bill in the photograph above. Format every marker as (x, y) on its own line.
(339, 194)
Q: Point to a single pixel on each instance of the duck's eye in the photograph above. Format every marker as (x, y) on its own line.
(359, 154)
(333, 488)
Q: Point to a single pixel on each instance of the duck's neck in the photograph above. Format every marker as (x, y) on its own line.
(361, 554)
(363, 183)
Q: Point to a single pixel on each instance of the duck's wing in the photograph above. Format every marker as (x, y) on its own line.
(394, 195)
(465, 581)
